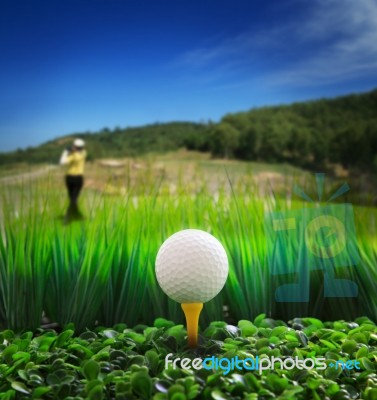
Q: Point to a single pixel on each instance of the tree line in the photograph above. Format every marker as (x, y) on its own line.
(312, 134)
(309, 134)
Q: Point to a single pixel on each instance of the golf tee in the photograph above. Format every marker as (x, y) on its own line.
(192, 312)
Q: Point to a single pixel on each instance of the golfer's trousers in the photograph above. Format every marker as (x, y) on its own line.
(74, 185)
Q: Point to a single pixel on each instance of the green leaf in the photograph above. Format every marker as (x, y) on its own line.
(22, 344)
(349, 346)
(252, 382)
(137, 337)
(332, 372)
(178, 396)
(45, 342)
(178, 332)
(278, 385)
(91, 370)
(328, 344)
(259, 319)
(110, 334)
(279, 330)
(82, 350)
(92, 384)
(96, 393)
(163, 323)
(338, 336)
(157, 396)
(8, 353)
(40, 391)
(136, 360)
(313, 321)
(362, 352)
(367, 364)
(142, 384)
(21, 355)
(152, 360)
(291, 337)
(332, 389)
(122, 387)
(175, 388)
(260, 343)
(8, 335)
(371, 394)
(247, 328)
(53, 380)
(89, 336)
(63, 337)
(20, 387)
(313, 383)
(360, 337)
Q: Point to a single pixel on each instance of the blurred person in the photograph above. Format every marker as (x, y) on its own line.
(74, 158)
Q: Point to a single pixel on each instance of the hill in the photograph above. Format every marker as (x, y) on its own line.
(309, 134)
(115, 143)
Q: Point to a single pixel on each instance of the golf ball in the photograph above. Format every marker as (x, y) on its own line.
(191, 266)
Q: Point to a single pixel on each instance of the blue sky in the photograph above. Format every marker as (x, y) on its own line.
(76, 66)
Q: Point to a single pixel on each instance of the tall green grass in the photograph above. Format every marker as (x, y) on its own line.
(101, 271)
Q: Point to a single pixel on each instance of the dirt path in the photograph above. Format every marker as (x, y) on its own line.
(27, 175)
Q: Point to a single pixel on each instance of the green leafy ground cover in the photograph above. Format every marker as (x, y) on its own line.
(123, 363)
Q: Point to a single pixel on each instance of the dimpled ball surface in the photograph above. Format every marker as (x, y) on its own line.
(191, 266)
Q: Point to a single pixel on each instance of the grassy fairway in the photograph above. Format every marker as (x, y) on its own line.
(106, 263)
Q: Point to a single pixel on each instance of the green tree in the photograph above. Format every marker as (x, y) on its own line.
(224, 140)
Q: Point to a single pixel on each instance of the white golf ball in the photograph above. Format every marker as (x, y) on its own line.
(191, 266)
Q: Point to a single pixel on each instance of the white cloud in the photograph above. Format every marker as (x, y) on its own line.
(335, 41)
(347, 33)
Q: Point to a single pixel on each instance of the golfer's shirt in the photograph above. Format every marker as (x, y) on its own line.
(75, 162)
